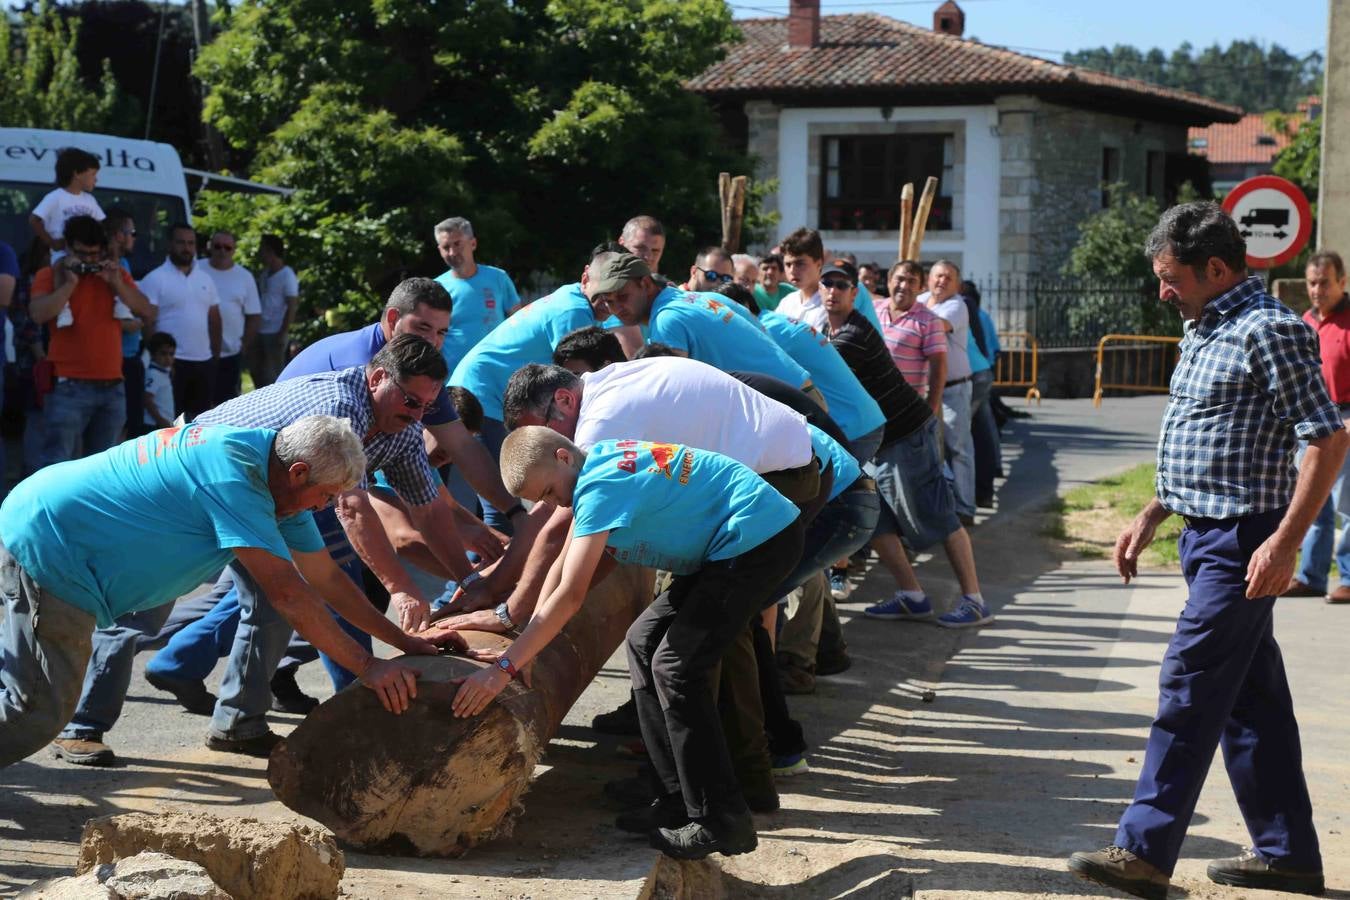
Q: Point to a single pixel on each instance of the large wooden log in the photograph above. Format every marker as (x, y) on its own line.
(426, 783)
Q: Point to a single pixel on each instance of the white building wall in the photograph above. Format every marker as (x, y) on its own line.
(975, 245)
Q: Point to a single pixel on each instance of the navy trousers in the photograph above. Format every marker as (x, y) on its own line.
(1223, 684)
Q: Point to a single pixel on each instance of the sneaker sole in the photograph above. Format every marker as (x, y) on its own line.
(1088, 872)
(203, 704)
(974, 624)
(93, 760)
(791, 772)
(698, 853)
(1273, 882)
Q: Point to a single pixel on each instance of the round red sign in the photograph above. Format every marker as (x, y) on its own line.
(1274, 218)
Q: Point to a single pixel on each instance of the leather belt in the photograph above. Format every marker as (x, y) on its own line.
(96, 382)
(862, 484)
(955, 381)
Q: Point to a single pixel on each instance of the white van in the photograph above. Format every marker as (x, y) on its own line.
(143, 177)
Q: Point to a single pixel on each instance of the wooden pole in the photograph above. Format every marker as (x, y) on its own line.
(736, 215)
(426, 783)
(906, 218)
(921, 218)
(724, 199)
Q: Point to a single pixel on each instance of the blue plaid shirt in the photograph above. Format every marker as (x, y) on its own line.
(343, 393)
(1248, 386)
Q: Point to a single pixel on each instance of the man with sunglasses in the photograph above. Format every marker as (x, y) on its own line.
(240, 311)
(712, 268)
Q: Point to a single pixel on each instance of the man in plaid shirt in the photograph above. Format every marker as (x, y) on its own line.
(1247, 388)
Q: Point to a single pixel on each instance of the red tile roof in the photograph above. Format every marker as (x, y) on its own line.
(1240, 142)
(871, 53)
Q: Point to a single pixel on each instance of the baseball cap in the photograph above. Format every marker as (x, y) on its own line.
(842, 268)
(613, 273)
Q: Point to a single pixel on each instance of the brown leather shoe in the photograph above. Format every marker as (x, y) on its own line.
(1299, 589)
(1119, 868)
(1340, 595)
(84, 753)
(1250, 870)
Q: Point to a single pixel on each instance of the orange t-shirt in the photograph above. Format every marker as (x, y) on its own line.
(92, 346)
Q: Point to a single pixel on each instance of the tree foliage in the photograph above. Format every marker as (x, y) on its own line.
(548, 123)
(40, 81)
(1301, 160)
(1244, 73)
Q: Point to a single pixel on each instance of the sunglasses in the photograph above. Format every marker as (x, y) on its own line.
(228, 248)
(841, 284)
(412, 402)
(717, 277)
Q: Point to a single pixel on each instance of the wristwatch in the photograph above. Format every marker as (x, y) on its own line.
(506, 666)
(504, 616)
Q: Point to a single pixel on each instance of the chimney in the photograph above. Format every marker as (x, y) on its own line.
(949, 19)
(803, 24)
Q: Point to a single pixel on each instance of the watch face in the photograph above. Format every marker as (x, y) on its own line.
(504, 664)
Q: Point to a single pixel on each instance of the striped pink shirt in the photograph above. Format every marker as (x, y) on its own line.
(913, 337)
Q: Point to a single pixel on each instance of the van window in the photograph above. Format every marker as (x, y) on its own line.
(152, 213)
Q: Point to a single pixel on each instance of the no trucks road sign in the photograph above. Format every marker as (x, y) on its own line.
(1273, 216)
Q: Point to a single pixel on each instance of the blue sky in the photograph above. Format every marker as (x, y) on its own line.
(1037, 26)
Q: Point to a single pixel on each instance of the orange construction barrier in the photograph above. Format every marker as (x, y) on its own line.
(1142, 362)
(1018, 363)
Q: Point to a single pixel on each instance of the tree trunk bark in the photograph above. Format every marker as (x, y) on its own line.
(427, 783)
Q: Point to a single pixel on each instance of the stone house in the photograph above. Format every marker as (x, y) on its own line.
(844, 109)
(1246, 148)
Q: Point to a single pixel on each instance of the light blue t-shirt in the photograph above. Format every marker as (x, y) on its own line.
(673, 507)
(705, 327)
(149, 520)
(844, 466)
(529, 336)
(863, 304)
(852, 408)
(477, 305)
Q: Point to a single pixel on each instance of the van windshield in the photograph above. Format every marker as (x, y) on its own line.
(152, 213)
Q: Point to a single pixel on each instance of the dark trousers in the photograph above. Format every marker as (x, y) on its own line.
(227, 380)
(133, 377)
(673, 649)
(1223, 684)
(194, 386)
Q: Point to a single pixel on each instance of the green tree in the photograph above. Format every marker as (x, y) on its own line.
(40, 83)
(1301, 160)
(547, 122)
(1117, 278)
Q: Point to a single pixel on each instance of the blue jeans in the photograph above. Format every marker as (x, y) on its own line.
(491, 436)
(960, 445)
(983, 434)
(916, 498)
(1223, 685)
(109, 672)
(865, 446)
(1315, 566)
(44, 646)
(76, 410)
(193, 650)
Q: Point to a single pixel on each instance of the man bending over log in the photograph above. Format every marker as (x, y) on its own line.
(134, 527)
(728, 537)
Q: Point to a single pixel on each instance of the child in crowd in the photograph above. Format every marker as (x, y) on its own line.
(159, 406)
(76, 175)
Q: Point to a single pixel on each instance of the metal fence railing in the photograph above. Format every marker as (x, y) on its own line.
(1069, 311)
(1138, 363)
(1019, 363)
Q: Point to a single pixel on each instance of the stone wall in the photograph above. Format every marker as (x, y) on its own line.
(1051, 174)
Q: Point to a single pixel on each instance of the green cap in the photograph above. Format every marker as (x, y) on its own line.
(614, 273)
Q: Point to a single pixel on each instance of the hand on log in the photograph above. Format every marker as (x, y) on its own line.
(469, 598)
(423, 644)
(483, 686)
(413, 613)
(394, 683)
(446, 630)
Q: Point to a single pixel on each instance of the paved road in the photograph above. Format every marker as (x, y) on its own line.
(1027, 752)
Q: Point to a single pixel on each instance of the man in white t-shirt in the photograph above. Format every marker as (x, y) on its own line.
(190, 311)
(945, 301)
(279, 295)
(240, 311)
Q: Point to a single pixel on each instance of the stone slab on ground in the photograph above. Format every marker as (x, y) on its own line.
(145, 876)
(246, 857)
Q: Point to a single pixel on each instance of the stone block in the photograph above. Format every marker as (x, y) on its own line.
(145, 876)
(245, 857)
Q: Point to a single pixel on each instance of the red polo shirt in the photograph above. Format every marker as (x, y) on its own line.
(1333, 334)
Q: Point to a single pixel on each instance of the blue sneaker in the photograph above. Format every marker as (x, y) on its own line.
(788, 766)
(897, 607)
(968, 614)
(839, 584)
